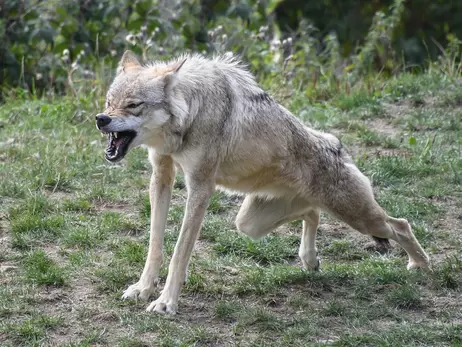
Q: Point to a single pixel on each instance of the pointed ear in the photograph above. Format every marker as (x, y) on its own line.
(128, 61)
(171, 76)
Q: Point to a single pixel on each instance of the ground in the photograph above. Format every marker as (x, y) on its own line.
(74, 234)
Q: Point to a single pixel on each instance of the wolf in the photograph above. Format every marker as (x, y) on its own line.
(208, 118)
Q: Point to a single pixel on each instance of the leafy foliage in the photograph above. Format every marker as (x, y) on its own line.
(52, 46)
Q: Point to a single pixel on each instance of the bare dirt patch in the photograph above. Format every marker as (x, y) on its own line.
(398, 109)
(113, 207)
(382, 127)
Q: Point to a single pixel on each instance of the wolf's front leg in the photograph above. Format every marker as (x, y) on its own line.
(199, 193)
(160, 192)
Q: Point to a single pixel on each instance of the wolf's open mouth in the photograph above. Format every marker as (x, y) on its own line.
(118, 143)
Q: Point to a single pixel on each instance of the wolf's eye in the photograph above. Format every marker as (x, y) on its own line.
(134, 105)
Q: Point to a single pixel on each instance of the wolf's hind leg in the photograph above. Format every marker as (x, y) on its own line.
(406, 238)
(358, 208)
(258, 216)
(400, 231)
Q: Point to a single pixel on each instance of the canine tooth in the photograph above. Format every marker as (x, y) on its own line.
(115, 134)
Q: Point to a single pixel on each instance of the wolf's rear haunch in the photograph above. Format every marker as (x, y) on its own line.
(210, 119)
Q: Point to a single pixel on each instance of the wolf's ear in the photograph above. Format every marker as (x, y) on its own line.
(171, 76)
(128, 61)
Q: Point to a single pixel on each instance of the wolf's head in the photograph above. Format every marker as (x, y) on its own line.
(137, 105)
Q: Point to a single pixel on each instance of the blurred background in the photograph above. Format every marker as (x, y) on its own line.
(63, 46)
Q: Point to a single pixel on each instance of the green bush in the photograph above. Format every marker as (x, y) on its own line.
(54, 46)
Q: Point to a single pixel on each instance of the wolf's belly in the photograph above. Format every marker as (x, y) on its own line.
(267, 182)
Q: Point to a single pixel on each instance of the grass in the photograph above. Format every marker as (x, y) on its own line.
(74, 234)
(32, 330)
(40, 269)
(405, 297)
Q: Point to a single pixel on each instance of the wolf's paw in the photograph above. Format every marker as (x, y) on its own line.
(139, 291)
(425, 264)
(163, 305)
(311, 264)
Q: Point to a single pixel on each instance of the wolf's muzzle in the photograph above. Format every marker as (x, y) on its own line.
(102, 120)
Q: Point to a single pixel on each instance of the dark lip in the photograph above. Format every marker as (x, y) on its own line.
(114, 153)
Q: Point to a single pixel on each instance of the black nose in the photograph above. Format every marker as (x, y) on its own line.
(102, 120)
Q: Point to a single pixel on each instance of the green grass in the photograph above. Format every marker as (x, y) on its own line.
(40, 269)
(405, 297)
(74, 234)
(31, 331)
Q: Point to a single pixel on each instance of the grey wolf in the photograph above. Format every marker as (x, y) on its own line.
(211, 120)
